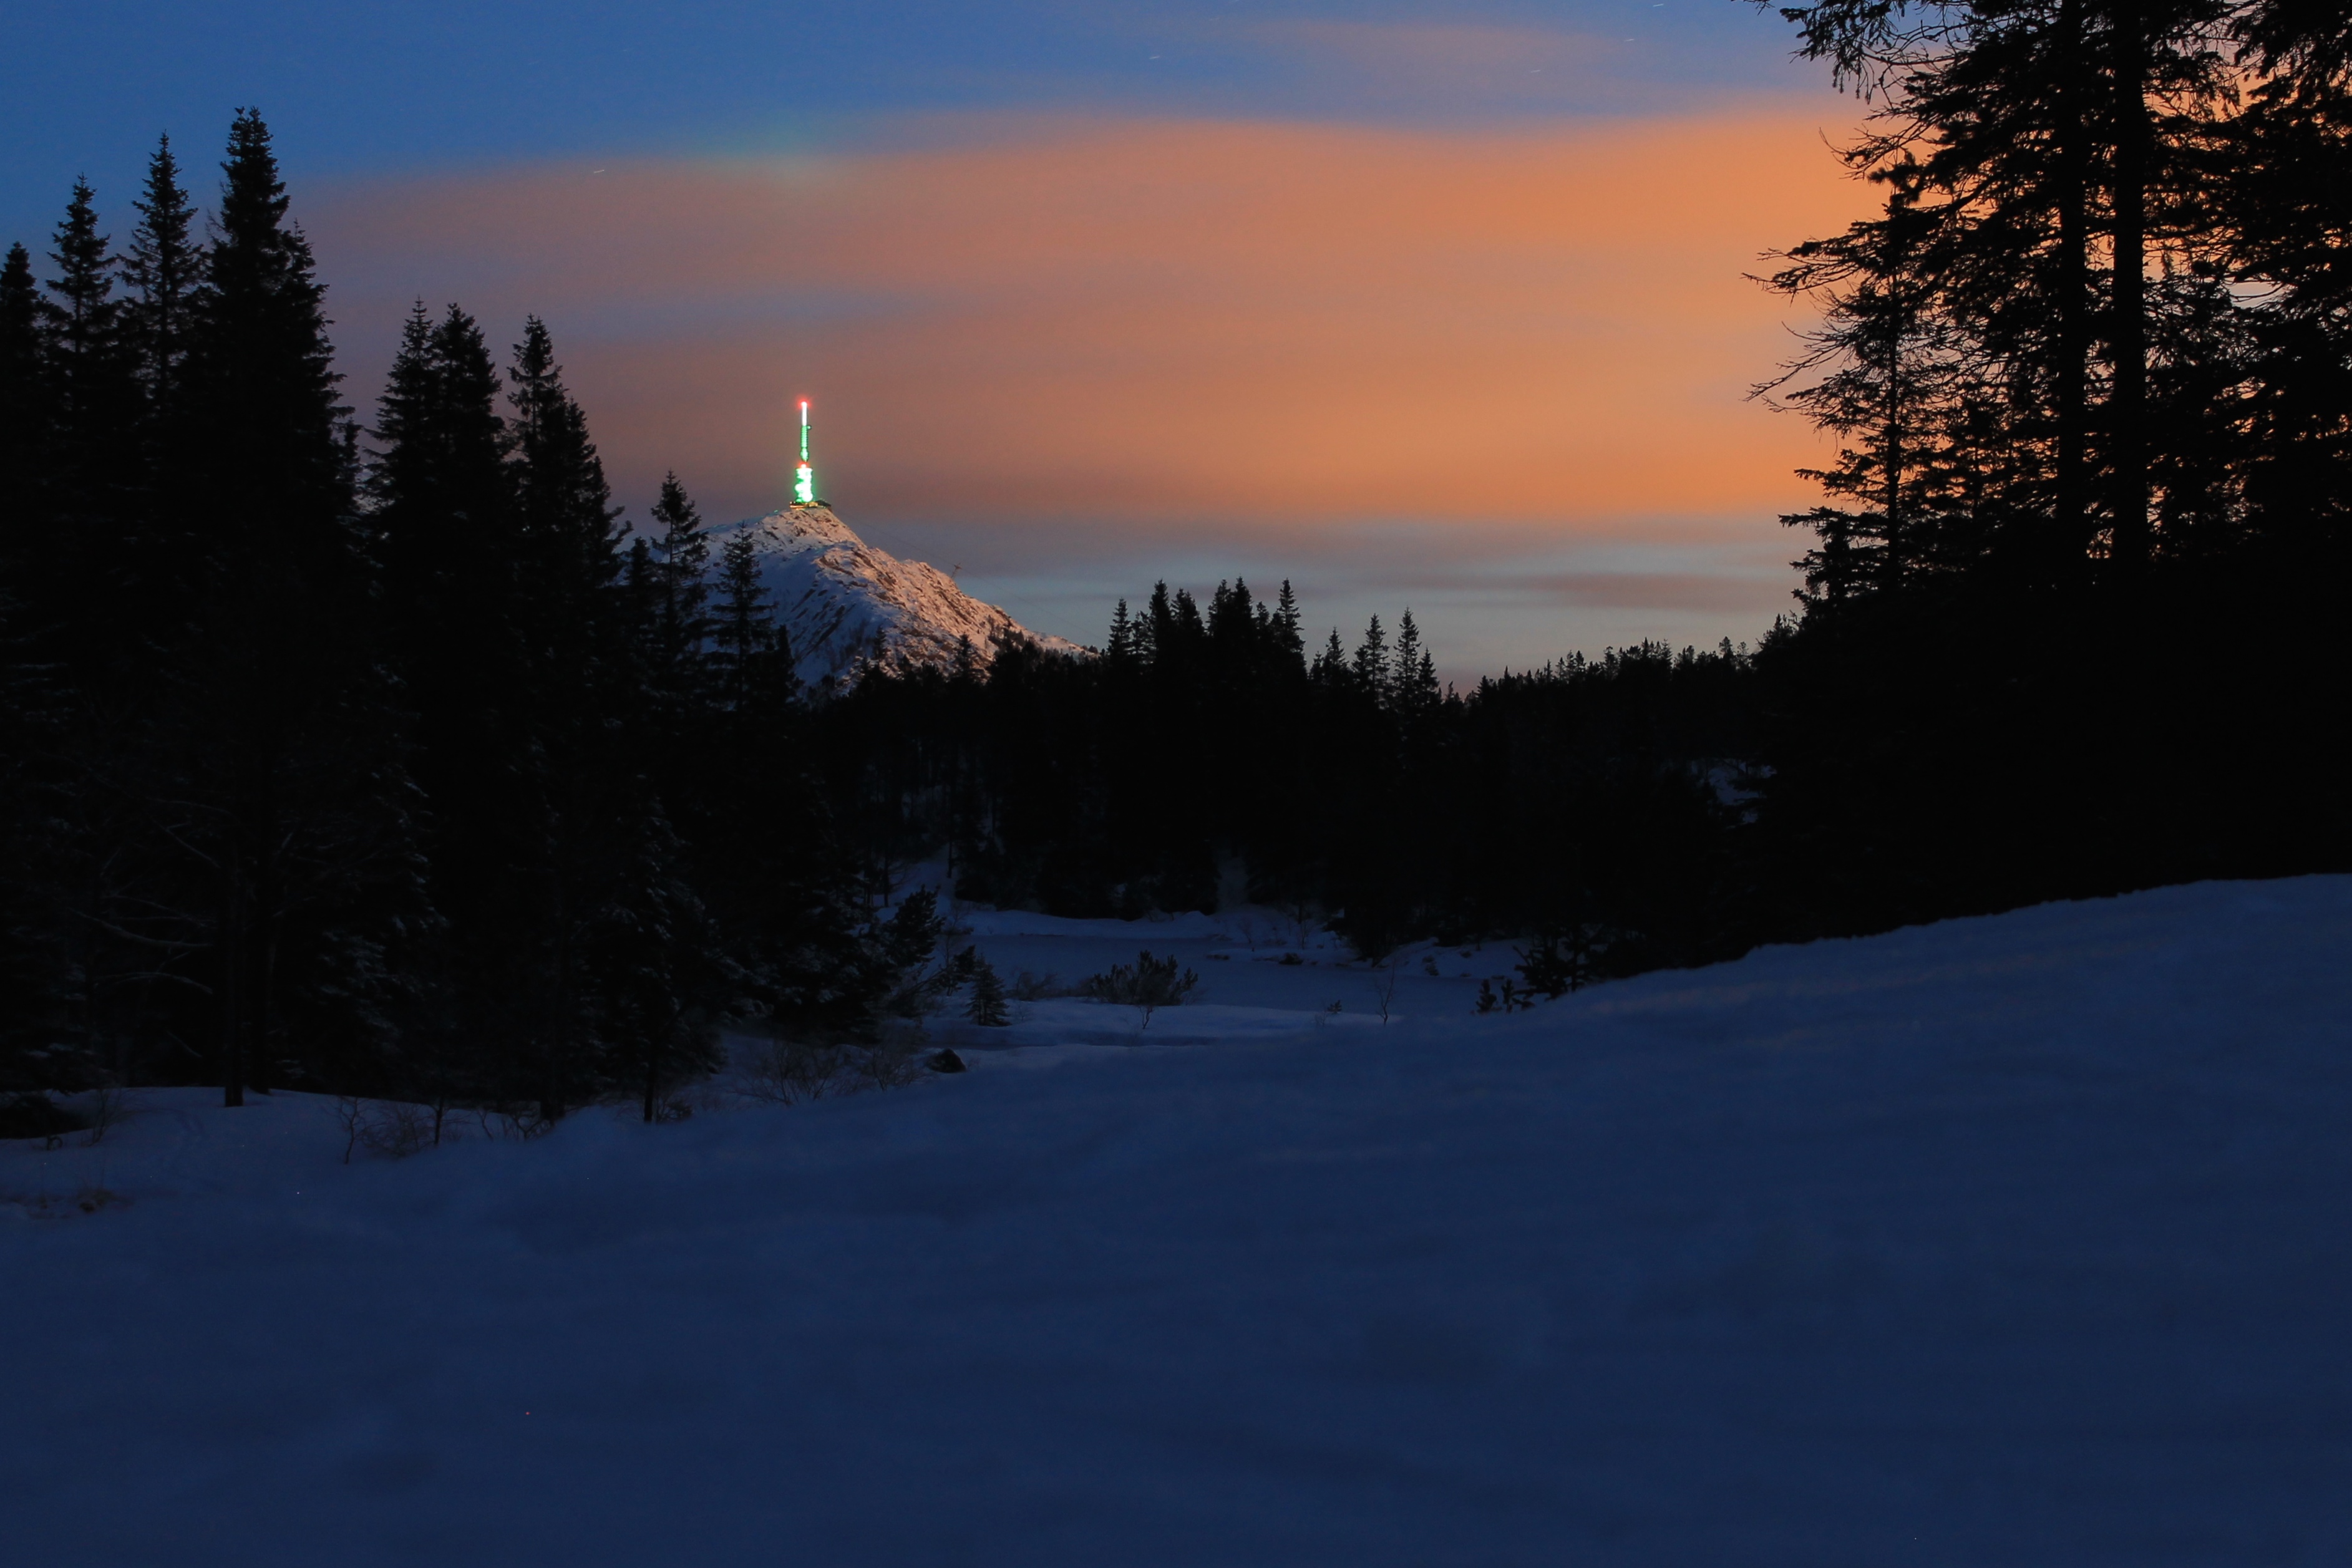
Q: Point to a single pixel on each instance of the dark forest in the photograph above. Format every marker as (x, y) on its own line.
(370, 750)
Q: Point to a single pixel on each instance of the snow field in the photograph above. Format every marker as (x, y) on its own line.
(2003, 1241)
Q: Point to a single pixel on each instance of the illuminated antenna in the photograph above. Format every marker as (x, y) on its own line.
(804, 476)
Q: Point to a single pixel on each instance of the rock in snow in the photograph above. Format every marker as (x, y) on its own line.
(850, 607)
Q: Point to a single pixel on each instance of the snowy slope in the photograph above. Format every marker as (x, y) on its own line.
(849, 605)
(2019, 1241)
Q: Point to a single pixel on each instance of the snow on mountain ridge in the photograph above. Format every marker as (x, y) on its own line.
(849, 606)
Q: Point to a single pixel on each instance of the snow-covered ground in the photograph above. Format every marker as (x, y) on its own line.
(2020, 1240)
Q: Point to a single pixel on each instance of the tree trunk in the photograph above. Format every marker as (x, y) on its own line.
(232, 942)
(2072, 533)
(261, 988)
(1892, 411)
(265, 1002)
(2127, 405)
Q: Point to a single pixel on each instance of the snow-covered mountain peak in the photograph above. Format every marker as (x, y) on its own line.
(850, 606)
(813, 526)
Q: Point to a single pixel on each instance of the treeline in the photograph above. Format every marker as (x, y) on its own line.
(378, 756)
(1205, 760)
(372, 756)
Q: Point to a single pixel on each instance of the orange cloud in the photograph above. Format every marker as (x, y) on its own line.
(1541, 328)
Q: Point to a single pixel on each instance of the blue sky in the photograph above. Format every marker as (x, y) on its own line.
(387, 115)
(365, 85)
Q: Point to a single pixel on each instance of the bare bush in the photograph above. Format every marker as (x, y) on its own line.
(350, 1115)
(521, 1124)
(1384, 983)
(1031, 986)
(105, 1108)
(788, 1071)
(393, 1129)
(397, 1129)
(1147, 984)
(894, 1062)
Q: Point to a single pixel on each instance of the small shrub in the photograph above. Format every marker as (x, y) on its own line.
(1566, 959)
(396, 1129)
(1030, 987)
(894, 1062)
(105, 1108)
(1510, 999)
(1147, 984)
(791, 1070)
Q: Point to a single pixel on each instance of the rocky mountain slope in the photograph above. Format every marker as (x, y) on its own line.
(849, 606)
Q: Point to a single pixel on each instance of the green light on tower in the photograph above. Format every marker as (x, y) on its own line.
(804, 476)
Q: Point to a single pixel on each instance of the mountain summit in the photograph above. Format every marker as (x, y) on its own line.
(850, 607)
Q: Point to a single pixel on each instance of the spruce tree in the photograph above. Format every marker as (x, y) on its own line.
(682, 561)
(457, 627)
(1412, 681)
(1119, 646)
(1369, 667)
(162, 268)
(299, 794)
(590, 698)
(83, 324)
(1330, 667)
(89, 408)
(987, 1007)
(1286, 622)
(741, 628)
(655, 983)
(1156, 642)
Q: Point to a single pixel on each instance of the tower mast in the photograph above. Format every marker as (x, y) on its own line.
(804, 476)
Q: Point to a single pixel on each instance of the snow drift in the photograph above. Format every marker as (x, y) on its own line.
(2016, 1240)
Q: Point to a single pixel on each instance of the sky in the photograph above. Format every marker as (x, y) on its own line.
(1438, 305)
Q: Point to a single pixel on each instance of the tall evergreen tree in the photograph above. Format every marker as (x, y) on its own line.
(1330, 667)
(1119, 647)
(90, 410)
(681, 559)
(457, 628)
(163, 267)
(1370, 668)
(753, 654)
(1285, 621)
(295, 804)
(83, 322)
(594, 697)
(1412, 679)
